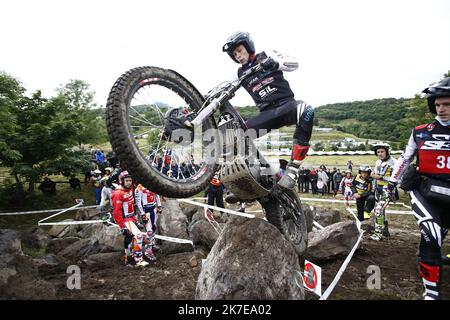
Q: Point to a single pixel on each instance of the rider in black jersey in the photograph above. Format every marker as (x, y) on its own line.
(274, 98)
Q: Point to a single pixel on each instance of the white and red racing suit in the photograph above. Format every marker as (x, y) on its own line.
(148, 204)
(125, 216)
(431, 144)
(345, 187)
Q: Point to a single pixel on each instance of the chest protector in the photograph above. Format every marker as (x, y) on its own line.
(266, 87)
(433, 155)
(362, 185)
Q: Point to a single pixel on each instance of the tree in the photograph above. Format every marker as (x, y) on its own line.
(81, 106)
(39, 137)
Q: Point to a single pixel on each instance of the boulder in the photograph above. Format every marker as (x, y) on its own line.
(103, 260)
(49, 265)
(326, 216)
(80, 249)
(10, 242)
(58, 244)
(87, 214)
(172, 222)
(335, 240)
(107, 235)
(308, 210)
(36, 238)
(189, 209)
(250, 260)
(60, 231)
(203, 233)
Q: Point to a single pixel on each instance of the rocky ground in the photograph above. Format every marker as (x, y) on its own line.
(33, 263)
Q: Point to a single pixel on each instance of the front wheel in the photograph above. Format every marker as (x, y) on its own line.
(136, 116)
(283, 209)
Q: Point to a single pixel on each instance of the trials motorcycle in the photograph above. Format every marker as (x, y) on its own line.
(145, 114)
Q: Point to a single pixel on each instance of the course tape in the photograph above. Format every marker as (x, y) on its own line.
(157, 236)
(342, 201)
(41, 211)
(237, 213)
(344, 265)
(80, 203)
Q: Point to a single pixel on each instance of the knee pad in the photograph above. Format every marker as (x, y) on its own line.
(430, 272)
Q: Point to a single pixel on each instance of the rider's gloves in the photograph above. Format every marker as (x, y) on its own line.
(391, 190)
(269, 64)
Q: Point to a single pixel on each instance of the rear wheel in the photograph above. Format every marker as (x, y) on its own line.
(136, 113)
(284, 211)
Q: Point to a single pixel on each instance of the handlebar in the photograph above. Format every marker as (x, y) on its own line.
(227, 94)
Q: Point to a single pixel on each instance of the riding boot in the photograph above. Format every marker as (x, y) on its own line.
(431, 280)
(289, 180)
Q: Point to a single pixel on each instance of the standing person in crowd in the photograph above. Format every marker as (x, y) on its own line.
(363, 193)
(332, 184)
(74, 182)
(381, 175)
(48, 186)
(302, 177)
(313, 177)
(100, 158)
(215, 191)
(329, 181)
(350, 165)
(307, 175)
(337, 178)
(282, 171)
(105, 206)
(149, 205)
(428, 183)
(125, 217)
(346, 186)
(323, 176)
(97, 185)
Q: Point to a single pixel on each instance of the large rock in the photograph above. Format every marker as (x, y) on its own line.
(332, 241)
(60, 231)
(189, 209)
(101, 260)
(36, 238)
(203, 233)
(87, 214)
(10, 242)
(308, 210)
(80, 249)
(326, 216)
(250, 260)
(172, 222)
(58, 244)
(107, 235)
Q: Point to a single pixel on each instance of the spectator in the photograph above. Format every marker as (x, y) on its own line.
(350, 165)
(330, 180)
(337, 178)
(48, 187)
(307, 172)
(215, 191)
(95, 181)
(74, 182)
(282, 171)
(100, 158)
(313, 177)
(322, 175)
(302, 177)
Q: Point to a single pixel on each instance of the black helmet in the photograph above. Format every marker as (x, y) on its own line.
(436, 90)
(237, 39)
(381, 145)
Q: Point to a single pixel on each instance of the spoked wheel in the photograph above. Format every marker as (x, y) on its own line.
(284, 211)
(139, 104)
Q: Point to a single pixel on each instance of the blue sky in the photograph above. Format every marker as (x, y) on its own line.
(347, 50)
